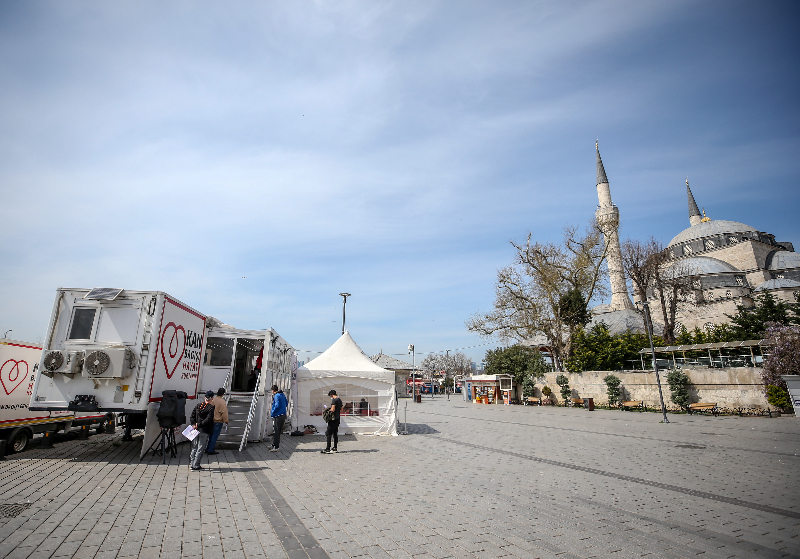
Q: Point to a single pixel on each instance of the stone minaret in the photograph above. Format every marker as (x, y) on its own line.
(694, 212)
(608, 218)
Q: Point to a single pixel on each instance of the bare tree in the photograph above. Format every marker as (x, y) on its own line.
(530, 293)
(654, 277)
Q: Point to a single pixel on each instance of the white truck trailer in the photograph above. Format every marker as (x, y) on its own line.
(19, 363)
(115, 350)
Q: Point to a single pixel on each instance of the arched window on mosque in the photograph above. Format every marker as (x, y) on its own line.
(709, 244)
(739, 280)
(687, 249)
(708, 326)
(728, 294)
(733, 240)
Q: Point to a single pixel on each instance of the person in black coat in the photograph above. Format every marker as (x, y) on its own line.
(202, 419)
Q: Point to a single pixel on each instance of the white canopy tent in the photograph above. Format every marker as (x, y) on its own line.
(366, 390)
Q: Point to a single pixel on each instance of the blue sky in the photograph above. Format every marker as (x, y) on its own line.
(387, 149)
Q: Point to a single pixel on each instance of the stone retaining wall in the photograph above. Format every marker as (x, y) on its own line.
(738, 387)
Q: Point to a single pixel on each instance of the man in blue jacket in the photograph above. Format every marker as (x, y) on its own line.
(278, 414)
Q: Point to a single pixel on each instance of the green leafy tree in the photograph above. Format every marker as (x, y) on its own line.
(563, 382)
(524, 364)
(679, 384)
(751, 323)
(598, 350)
(613, 390)
(572, 308)
(778, 397)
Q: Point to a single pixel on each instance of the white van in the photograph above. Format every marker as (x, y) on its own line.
(19, 363)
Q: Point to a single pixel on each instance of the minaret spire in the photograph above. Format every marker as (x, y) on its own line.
(607, 215)
(694, 213)
(601, 172)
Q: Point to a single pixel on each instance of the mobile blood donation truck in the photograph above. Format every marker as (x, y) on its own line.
(117, 350)
(19, 362)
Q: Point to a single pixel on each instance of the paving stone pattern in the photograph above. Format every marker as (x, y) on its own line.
(469, 481)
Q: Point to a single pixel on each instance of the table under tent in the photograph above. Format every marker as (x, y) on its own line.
(366, 390)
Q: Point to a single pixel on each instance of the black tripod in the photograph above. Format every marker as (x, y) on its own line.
(164, 443)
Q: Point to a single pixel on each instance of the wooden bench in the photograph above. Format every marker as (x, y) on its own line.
(632, 404)
(577, 402)
(704, 406)
(532, 401)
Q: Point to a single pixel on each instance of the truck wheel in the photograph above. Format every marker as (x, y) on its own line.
(20, 439)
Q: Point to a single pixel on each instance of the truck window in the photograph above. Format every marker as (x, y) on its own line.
(219, 352)
(82, 322)
(118, 325)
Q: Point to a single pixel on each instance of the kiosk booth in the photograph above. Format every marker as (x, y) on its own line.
(491, 389)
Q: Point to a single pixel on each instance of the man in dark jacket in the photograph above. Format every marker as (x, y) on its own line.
(202, 419)
(278, 414)
(333, 424)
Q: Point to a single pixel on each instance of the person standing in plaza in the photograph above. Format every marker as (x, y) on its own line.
(202, 419)
(278, 414)
(333, 424)
(220, 419)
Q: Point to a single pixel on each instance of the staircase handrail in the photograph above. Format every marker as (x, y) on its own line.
(251, 415)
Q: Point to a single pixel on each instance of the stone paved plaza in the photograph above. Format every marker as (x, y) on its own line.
(468, 481)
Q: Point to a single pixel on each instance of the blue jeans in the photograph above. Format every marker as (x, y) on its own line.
(212, 443)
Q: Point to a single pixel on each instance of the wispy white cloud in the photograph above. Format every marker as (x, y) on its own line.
(389, 149)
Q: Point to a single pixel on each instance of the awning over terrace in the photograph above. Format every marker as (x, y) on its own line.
(730, 354)
(715, 345)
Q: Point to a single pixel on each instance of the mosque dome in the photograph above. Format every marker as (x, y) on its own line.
(710, 228)
(784, 260)
(781, 283)
(702, 266)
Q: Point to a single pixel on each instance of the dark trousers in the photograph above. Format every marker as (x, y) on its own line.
(277, 427)
(332, 431)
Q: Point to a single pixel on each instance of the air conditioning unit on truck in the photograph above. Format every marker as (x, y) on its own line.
(115, 350)
(19, 364)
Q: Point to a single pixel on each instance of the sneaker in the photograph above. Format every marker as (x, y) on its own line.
(273, 449)
(326, 451)
(198, 468)
(334, 450)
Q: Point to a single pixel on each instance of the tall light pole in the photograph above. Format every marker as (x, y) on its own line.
(6, 334)
(447, 376)
(413, 372)
(649, 324)
(344, 306)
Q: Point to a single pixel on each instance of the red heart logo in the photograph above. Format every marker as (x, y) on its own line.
(11, 372)
(175, 347)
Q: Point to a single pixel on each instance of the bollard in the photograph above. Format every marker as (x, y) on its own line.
(3, 449)
(47, 439)
(84, 433)
(111, 426)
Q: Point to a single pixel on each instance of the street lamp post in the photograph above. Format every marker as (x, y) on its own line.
(344, 306)
(447, 375)
(649, 324)
(413, 372)
(6, 334)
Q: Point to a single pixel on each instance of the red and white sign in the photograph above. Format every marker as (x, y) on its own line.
(18, 365)
(178, 350)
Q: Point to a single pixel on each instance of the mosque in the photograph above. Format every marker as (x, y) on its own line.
(728, 263)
